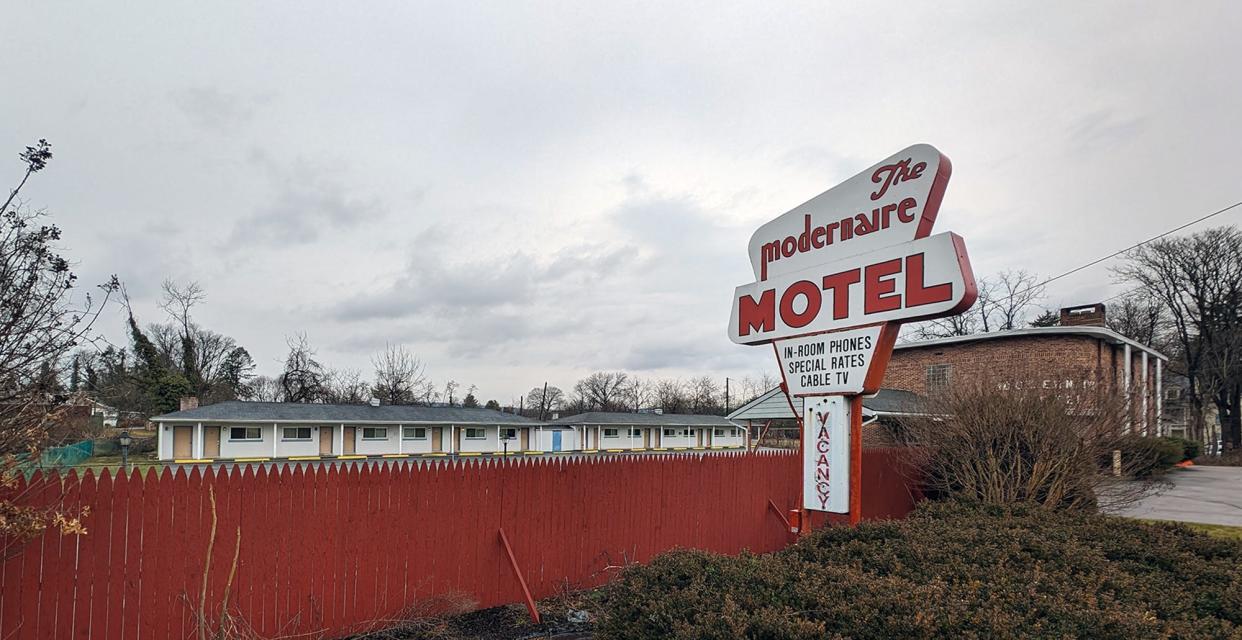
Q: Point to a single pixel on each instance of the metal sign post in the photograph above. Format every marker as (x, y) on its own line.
(835, 279)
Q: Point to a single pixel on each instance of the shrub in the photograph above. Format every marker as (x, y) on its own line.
(949, 570)
(1015, 443)
(1143, 457)
(1191, 449)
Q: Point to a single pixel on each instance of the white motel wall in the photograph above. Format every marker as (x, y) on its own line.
(231, 430)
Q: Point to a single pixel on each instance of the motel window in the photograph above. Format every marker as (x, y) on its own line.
(375, 433)
(415, 433)
(689, 433)
(720, 433)
(611, 433)
(244, 434)
(669, 433)
(475, 433)
(508, 433)
(938, 377)
(636, 433)
(295, 433)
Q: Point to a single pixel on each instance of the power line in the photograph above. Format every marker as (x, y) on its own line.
(1129, 248)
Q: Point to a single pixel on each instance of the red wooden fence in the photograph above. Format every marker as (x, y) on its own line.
(329, 550)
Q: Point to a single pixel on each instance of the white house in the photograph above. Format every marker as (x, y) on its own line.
(264, 430)
(614, 431)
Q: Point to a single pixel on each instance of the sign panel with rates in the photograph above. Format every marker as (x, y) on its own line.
(828, 362)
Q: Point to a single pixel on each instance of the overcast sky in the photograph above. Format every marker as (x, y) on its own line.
(524, 192)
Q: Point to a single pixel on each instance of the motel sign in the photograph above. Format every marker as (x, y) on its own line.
(835, 278)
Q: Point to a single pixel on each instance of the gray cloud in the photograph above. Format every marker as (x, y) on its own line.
(301, 212)
(215, 110)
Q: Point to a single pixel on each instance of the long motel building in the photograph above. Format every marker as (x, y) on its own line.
(259, 431)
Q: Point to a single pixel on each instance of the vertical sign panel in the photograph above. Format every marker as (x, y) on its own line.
(826, 454)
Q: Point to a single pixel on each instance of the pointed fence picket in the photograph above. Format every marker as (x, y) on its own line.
(336, 549)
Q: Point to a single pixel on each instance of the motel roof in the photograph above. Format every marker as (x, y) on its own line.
(645, 419)
(240, 411)
(773, 405)
(1099, 333)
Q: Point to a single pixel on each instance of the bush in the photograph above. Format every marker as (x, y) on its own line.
(1143, 457)
(1191, 449)
(947, 571)
(1017, 443)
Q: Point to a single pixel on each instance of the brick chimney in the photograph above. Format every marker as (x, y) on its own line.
(1084, 315)
(189, 402)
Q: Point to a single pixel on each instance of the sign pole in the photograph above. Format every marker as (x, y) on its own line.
(856, 409)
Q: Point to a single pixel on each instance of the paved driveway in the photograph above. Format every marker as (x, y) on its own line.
(1211, 495)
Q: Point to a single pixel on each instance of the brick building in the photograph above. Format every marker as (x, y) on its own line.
(1080, 355)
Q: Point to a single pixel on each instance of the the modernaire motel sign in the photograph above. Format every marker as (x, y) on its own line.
(835, 279)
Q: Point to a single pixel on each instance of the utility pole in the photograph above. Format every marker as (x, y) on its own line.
(726, 395)
(543, 400)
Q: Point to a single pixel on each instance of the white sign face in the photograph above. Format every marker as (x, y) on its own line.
(893, 201)
(924, 278)
(827, 362)
(826, 454)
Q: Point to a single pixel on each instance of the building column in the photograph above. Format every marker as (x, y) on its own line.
(1159, 399)
(400, 438)
(159, 440)
(1129, 407)
(452, 446)
(197, 450)
(1146, 392)
(275, 437)
(340, 440)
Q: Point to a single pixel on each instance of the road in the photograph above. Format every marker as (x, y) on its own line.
(1209, 495)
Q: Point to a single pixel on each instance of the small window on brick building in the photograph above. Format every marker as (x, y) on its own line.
(937, 377)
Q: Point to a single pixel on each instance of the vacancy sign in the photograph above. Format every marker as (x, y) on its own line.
(826, 462)
(827, 363)
(835, 278)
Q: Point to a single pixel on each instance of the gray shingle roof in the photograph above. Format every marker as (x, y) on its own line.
(645, 419)
(238, 411)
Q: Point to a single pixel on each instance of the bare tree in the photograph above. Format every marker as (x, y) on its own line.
(264, 389)
(1143, 318)
(749, 388)
(303, 378)
(544, 402)
(705, 395)
(637, 393)
(1198, 280)
(346, 386)
(603, 391)
(400, 377)
(1015, 292)
(1004, 302)
(671, 396)
(40, 324)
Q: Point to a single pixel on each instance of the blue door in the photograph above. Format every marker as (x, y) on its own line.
(556, 440)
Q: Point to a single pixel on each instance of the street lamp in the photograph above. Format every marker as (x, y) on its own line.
(125, 440)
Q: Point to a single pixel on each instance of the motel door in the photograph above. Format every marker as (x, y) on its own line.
(525, 441)
(435, 439)
(325, 441)
(183, 442)
(348, 432)
(700, 435)
(211, 442)
(556, 440)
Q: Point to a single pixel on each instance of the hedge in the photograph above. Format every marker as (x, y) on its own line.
(950, 570)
